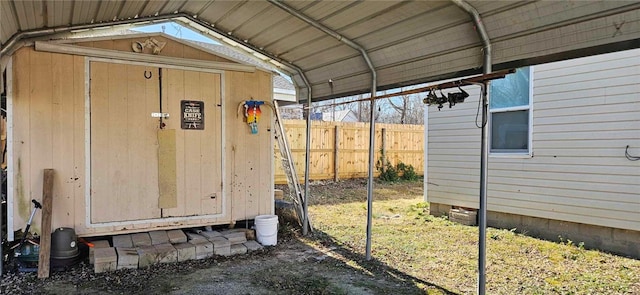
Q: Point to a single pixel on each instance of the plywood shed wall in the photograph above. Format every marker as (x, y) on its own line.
(54, 125)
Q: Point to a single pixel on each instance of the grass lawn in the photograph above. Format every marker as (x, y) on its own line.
(442, 255)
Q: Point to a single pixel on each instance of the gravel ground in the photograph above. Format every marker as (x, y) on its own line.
(296, 265)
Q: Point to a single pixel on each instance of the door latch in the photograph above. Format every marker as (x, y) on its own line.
(160, 115)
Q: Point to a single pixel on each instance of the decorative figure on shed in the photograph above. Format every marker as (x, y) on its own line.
(252, 113)
(151, 43)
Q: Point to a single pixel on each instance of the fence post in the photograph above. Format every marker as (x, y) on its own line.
(384, 149)
(336, 154)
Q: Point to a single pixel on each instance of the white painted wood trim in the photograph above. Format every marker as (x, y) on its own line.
(154, 221)
(517, 155)
(226, 193)
(113, 37)
(157, 34)
(157, 65)
(87, 141)
(10, 156)
(510, 109)
(272, 208)
(140, 57)
(425, 149)
(531, 96)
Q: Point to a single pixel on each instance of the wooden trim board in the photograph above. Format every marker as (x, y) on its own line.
(140, 57)
(167, 169)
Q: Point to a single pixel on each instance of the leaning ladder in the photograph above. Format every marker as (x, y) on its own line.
(289, 168)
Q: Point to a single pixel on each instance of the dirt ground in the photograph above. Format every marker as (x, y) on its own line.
(294, 266)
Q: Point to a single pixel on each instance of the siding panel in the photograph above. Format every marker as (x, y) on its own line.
(585, 112)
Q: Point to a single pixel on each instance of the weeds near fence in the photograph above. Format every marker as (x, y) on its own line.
(390, 173)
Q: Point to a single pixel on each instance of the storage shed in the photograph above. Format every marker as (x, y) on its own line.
(143, 131)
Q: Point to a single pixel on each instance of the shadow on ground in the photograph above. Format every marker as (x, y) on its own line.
(375, 270)
(297, 265)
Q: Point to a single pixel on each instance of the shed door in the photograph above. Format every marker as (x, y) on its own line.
(124, 163)
(134, 163)
(198, 151)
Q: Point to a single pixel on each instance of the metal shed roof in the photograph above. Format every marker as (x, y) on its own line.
(408, 42)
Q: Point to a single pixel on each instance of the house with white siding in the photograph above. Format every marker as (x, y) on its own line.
(563, 138)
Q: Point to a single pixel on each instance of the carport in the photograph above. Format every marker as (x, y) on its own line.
(334, 49)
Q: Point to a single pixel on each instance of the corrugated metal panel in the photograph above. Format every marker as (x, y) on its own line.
(109, 9)
(585, 112)
(359, 12)
(316, 54)
(242, 15)
(215, 12)
(131, 9)
(402, 16)
(541, 15)
(486, 8)
(29, 14)
(339, 22)
(446, 17)
(153, 7)
(409, 41)
(278, 31)
(256, 24)
(174, 6)
(9, 22)
(84, 12)
(321, 9)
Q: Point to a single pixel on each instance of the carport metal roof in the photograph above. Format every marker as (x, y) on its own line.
(408, 42)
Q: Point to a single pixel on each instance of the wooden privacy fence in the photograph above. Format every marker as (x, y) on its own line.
(341, 150)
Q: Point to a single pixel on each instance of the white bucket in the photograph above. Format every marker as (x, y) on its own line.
(267, 229)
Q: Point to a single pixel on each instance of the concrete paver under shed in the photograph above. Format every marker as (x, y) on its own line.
(141, 239)
(96, 245)
(127, 257)
(123, 241)
(159, 237)
(186, 251)
(105, 259)
(176, 236)
(166, 253)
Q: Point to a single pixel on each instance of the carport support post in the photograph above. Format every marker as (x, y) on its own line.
(372, 133)
(374, 87)
(307, 160)
(482, 214)
(484, 146)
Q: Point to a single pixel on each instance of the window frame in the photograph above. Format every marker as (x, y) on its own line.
(529, 107)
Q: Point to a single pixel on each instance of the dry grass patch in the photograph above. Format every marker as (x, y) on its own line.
(443, 253)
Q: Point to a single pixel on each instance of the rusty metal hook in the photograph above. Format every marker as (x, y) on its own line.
(150, 74)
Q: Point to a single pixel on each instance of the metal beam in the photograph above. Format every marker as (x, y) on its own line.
(441, 86)
(372, 129)
(484, 146)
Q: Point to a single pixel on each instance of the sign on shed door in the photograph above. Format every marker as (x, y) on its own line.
(145, 162)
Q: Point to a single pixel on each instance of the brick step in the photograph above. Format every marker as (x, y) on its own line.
(142, 250)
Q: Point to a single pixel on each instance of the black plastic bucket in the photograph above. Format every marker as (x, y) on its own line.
(64, 243)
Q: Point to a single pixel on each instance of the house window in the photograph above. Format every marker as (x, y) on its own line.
(510, 109)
